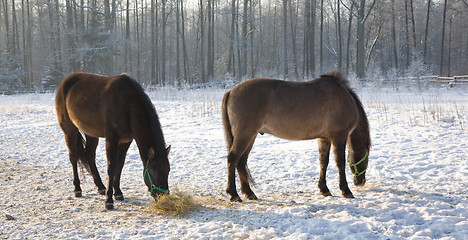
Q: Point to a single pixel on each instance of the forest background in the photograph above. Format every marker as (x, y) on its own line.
(183, 43)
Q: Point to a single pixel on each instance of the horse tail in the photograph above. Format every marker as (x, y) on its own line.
(83, 160)
(226, 123)
(228, 133)
(62, 113)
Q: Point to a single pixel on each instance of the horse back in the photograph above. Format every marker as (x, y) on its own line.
(93, 102)
(293, 110)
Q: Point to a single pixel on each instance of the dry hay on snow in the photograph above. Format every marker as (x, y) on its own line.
(177, 203)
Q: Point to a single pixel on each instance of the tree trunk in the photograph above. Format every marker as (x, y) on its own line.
(413, 25)
(108, 63)
(163, 42)
(407, 47)
(285, 39)
(321, 36)
(340, 43)
(441, 63)
(202, 43)
(128, 52)
(449, 48)
(427, 30)
(395, 52)
(184, 47)
(360, 54)
(293, 37)
(29, 43)
(348, 41)
(244, 39)
(178, 77)
(232, 38)
(210, 37)
(74, 64)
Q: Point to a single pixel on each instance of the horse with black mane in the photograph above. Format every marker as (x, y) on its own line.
(117, 109)
(325, 108)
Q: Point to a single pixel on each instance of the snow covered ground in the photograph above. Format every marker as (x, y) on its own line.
(416, 187)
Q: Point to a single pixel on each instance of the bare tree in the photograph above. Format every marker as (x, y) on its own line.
(348, 41)
(339, 38)
(441, 64)
(232, 37)
(395, 52)
(285, 39)
(245, 21)
(426, 29)
(309, 37)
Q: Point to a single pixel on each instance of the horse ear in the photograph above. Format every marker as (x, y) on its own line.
(151, 153)
(168, 149)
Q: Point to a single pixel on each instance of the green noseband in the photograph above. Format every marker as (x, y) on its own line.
(153, 187)
(354, 166)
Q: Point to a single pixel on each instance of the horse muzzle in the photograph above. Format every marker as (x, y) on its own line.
(157, 192)
(359, 181)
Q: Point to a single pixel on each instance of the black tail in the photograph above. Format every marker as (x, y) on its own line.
(83, 158)
(64, 119)
(226, 123)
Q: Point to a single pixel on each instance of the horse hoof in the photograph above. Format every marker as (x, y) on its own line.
(102, 191)
(236, 199)
(348, 195)
(119, 197)
(252, 197)
(78, 194)
(327, 194)
(110, 206)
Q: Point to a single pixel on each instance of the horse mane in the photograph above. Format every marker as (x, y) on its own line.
(340, 77)
(155, 125)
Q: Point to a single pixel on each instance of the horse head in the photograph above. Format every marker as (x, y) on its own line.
(156, 173)
(358, 163)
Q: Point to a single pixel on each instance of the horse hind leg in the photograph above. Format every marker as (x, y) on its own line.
(73, 140)
(232, 161)
(324, 155)
(244, 174)
(236, 152)
(90, 155)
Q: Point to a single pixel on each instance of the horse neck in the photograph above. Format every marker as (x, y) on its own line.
(148, 135)
(149, 138)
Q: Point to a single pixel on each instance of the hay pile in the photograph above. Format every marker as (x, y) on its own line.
(176, 203)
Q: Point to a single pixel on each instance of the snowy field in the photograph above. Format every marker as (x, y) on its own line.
(416, 187)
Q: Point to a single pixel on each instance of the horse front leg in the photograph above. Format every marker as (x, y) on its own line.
(111, 150)
(340, 159)
(122, 153)
(324, 156)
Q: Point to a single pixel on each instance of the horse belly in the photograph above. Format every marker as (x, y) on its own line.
(286, 131)
(88, 122)
(89, 128)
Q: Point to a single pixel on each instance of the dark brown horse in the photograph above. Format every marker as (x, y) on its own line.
(115, 108)
(325, 108)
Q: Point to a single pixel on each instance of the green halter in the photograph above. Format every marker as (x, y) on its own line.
(153, 187)
(354, 166)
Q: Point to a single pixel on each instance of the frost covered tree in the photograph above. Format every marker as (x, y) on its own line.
(204, 41)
